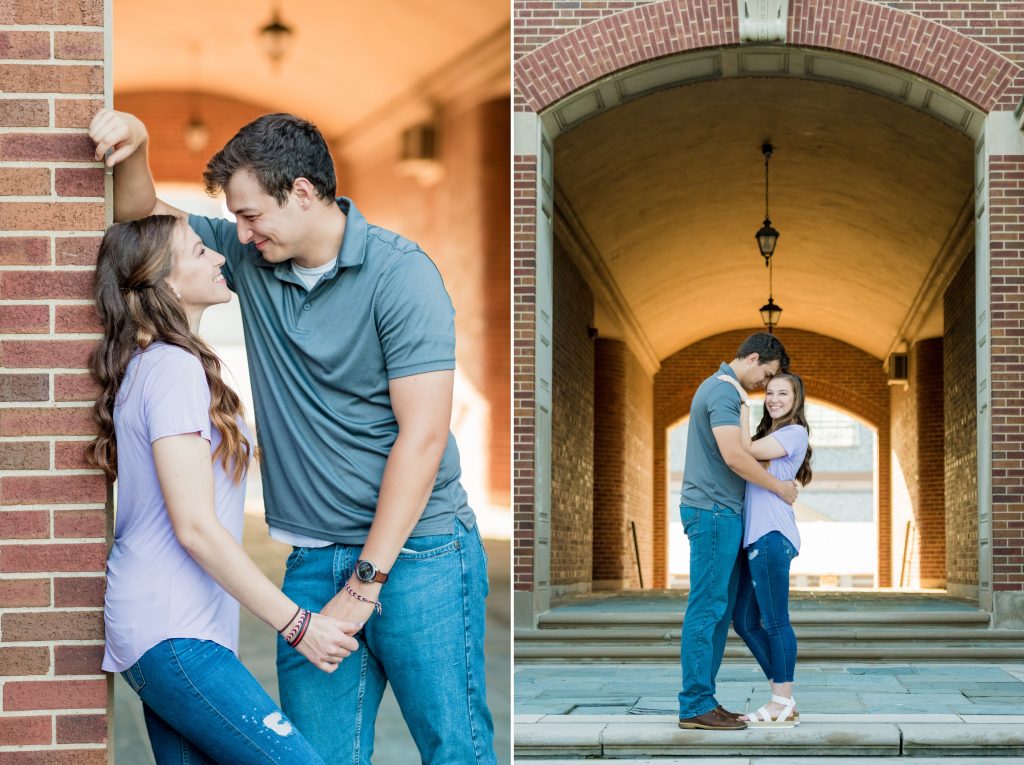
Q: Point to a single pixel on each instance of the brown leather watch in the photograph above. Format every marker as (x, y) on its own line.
(367, 572)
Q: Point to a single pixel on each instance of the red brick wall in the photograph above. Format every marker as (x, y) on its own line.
(918, 445)
(1006, 192)
(961, 378)
(524, 267)
(833, 372)
(53, 525)
(623, 450)
(572, 429)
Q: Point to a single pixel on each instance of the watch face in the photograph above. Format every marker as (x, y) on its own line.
(365, 570)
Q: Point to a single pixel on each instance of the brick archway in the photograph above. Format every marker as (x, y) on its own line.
(922, 47)
(833, 372)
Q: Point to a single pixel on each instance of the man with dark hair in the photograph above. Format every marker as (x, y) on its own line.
(711, 508)
(351, 345)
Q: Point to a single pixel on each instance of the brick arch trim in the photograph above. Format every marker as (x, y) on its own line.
(862, 28)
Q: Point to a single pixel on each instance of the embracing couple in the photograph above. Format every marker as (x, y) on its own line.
(351, 346)
(737, 512)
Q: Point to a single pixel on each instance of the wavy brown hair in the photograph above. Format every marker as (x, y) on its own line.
(795, 416)
(136, 306)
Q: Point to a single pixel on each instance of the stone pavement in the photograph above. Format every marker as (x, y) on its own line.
(393, 745)
(917, 709)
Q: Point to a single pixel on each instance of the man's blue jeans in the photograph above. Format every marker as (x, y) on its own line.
(715, 537)
(761, 615)
(428, 643)
(203, 707)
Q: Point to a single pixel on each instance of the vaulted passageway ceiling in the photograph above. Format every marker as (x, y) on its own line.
(669, 190)
(348, 60)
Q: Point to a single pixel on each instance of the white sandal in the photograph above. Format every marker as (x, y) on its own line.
(787, 718)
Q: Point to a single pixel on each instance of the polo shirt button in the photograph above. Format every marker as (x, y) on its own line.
(305, 307)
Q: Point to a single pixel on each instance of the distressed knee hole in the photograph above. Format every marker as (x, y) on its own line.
(276, 722)
(752, 554)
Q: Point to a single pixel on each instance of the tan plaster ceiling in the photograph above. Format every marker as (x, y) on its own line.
(347, 61)
(670, 190)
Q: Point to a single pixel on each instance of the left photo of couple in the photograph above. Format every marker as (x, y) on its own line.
(256, 380)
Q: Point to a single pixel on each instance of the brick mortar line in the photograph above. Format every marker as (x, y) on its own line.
(53, 336)
(52, 196)
(70, 268)
(50, 61)
(36, 575)
(12, 405)
(50, 506)
(49, 28)
(46, 301)
(36, 473)
(59, 747)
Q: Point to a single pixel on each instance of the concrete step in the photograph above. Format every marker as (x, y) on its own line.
(590, 618)
(669, 651)
(624, 737)
(804, 633)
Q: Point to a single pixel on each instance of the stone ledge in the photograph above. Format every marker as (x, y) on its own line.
(978, 739)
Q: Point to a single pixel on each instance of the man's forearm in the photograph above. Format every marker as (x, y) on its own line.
(405, 488)
(134, 191)
(749, 469)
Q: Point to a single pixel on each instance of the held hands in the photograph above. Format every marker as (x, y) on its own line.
(117, 135)
(327, 641)
(347, 608)
(739, 388)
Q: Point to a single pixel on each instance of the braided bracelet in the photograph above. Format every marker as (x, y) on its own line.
(298, 631)
(364, 599)
(302, 632)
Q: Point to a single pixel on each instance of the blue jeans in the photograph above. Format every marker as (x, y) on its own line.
(715, 537)
(761, 616)
(428, 643)
(203, 707)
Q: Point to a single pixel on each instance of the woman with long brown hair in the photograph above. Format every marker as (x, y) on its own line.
(771, 541)
(170, 432)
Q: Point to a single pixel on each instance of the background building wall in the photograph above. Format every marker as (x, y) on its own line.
(572, 430)
(960, 376)
(623, 450)
(918, 465)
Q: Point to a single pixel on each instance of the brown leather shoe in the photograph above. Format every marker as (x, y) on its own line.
(727, 713)
(713, 720)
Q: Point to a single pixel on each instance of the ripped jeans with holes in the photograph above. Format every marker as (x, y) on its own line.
(761, 614)
(203, 707)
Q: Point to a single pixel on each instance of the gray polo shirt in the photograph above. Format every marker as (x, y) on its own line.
(320, 362)
(707, 480)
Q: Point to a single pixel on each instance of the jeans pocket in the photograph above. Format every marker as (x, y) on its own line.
(295, 557)
(433, 547)
(133, 676)
(690, 516)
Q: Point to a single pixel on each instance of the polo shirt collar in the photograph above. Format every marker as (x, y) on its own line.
(726, 369)
(353, 244)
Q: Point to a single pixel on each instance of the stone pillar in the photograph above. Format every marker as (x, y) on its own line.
(532, 256)
(1000, 249)
(53, 520)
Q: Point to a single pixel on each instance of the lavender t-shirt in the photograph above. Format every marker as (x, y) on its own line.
(155, 590)
(763, 510)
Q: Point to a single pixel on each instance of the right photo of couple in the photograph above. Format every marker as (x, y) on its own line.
(766, 385)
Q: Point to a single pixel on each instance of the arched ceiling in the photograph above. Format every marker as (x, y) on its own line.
(668, 190)
(348, 60)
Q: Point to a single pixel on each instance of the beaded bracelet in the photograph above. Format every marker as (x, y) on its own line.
(364, 599)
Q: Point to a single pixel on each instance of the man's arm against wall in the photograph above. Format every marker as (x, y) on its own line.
(423, 408)
(122, 143)
(743, 464)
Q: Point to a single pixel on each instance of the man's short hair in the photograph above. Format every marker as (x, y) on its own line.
(276, 149)
(768, 348)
